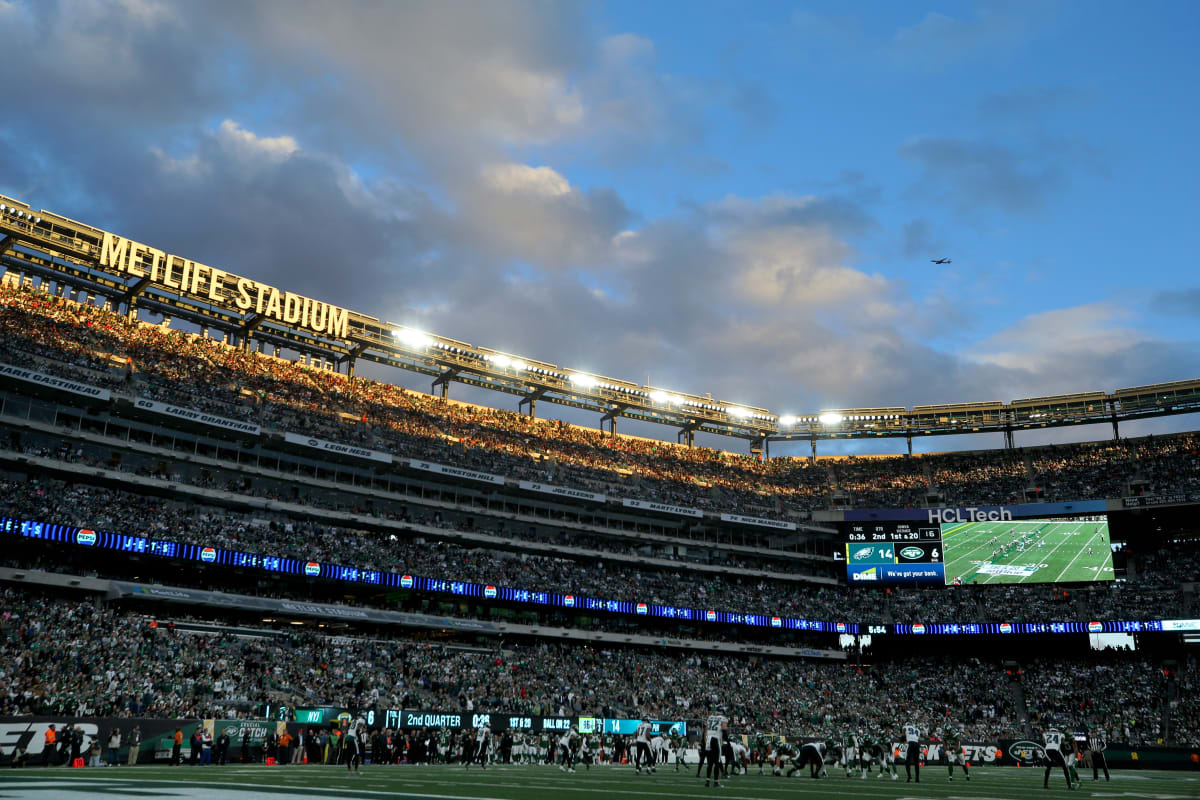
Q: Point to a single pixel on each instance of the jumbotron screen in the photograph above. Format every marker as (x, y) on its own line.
(1047, 550)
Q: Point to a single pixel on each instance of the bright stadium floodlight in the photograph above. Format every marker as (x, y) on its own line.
(830, 418)
(519, 366)
(412, 338)
(735, 411)
(658, 397)
(787, 421)
(503, 362)
(586, 381)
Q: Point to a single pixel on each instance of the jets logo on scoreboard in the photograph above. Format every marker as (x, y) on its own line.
(918, 628)
(489, 592)
(641, 608)
(1095, 627)
(406, 581)
(711, 616)
(208, 555)
(312, 568)
(569, 600)
(1005, 627)
(776, 622)
(85, 537)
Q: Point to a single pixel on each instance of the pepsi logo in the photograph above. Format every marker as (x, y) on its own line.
(208, 555)
(1005, 627)
(1095, 627)
(918, 628)
(569, 600)
(776, 622)
(641, 608)
(406, 581)
(312, 568)
(711, 616)
(841, 627)
(489, 592)
(85, 537)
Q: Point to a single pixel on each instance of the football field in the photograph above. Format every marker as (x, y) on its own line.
(1028, 551)
(258, 782)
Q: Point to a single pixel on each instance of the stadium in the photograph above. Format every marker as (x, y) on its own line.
(234, 541)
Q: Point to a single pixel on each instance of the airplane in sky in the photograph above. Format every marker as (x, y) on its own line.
(940, 261)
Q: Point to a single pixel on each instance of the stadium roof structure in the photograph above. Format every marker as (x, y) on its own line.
(80, 258)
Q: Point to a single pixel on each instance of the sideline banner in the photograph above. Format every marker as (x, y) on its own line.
(53, 382)
(337, 448)
(201, 417)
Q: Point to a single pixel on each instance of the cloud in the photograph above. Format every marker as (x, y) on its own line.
(935, 42)
(1097, 346)
(515, 212)
(973, 174)
(1033, 102)
(940, 40)
(918, 240)
(1181, 302)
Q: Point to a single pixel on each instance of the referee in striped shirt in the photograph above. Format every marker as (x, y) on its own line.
(1096, 745)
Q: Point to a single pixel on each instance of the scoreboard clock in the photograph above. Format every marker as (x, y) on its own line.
(893, 553)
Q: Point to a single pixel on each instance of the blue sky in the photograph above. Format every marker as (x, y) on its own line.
(733, 198)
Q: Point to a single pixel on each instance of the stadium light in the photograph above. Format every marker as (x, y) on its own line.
(412, 338)
(739, 413)
(586, 381)
(787, 421)
(658, 397)
(830, 418)
(503, 362)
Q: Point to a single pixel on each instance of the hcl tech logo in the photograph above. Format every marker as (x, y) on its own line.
(569, 600)
(208, 555)
(776, 622)
(489, 592)
(312, 568)
(1095, 627)
(973, 514)
(85, 537)
(406, 582)
(641, 608)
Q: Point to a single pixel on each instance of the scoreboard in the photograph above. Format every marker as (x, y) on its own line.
(892, 552)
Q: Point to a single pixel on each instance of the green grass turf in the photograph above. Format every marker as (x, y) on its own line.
(1062, 558)
(548, 783)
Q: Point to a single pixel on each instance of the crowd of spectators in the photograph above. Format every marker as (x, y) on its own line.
(78, 657)
(1185, 706)
(101, 347)
(1147, 596)
(1122, 692)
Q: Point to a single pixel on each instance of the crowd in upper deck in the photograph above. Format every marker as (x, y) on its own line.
(101, 347)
